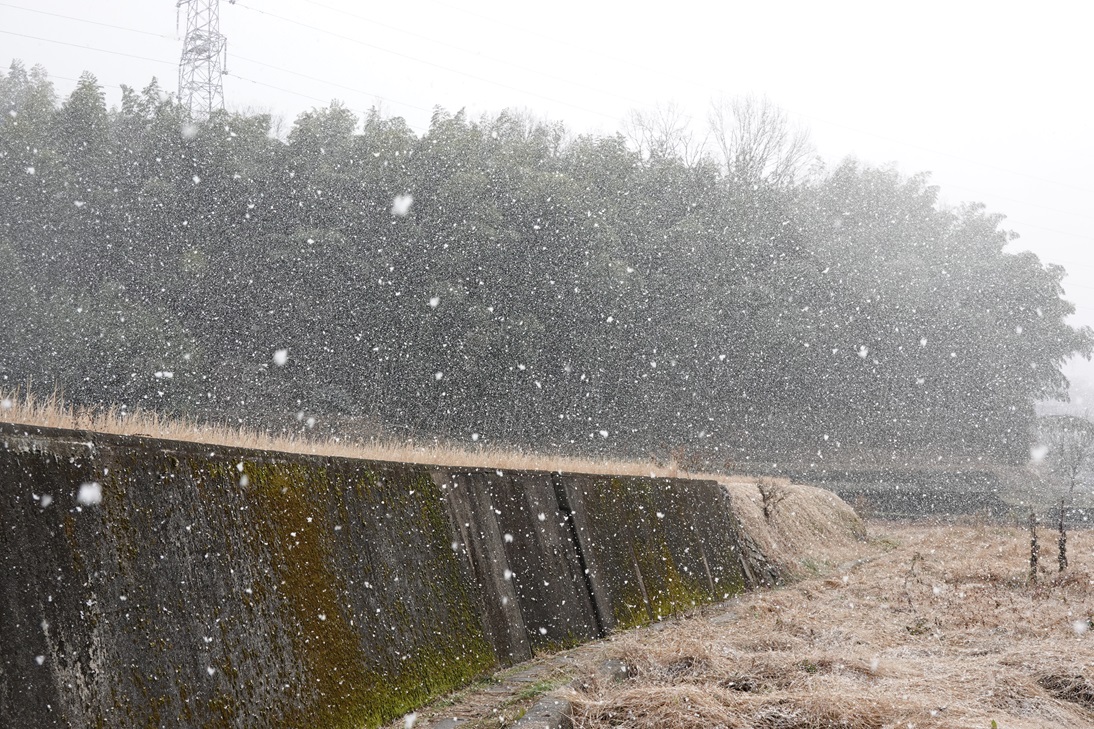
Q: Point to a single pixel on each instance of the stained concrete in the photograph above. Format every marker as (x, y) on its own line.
(229, 587)
(298, 590)
(653, 546)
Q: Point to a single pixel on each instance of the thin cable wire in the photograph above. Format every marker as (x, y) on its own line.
(494, 20)
(535, 33)
(921, 148)
(317, 29)
(860, 131)
(237, 57)
(76, 81)
(1080, 236)
(479, 54)
(1020, 202)
(413, 106)
(425, 62)
(704, 87)
(90, 22)
(89, 48)
(301, 95)
(557, 78)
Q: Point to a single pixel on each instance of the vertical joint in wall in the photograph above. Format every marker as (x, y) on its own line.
(582, 564)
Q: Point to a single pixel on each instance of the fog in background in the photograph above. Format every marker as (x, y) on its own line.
(988, 98)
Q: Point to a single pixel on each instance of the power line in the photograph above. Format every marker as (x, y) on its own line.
(529, 31)
(90, 22)
(88, 48)
(413, 106)
(1021, 202)
(172, 63)
(321, 30)
(314, 78)
(237, 57)
(921, 148)
(525, 30)
(1051, 230)
(1078, 264)
(631, 64)
(276, 88)
(235, 76)
(553, 40)
(296, 93)
(704, 87)
(425, 62)
(76, 81)
(494, 59)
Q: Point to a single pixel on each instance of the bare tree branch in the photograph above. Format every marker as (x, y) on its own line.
(1070, 450)
(758, 143)
(665, 132)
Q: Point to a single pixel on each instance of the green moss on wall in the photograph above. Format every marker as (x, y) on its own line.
(321, 592)
(648, 580)
(347, 686)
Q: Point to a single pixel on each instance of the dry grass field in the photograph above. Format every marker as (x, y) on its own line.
(933, 626)
(25, 409)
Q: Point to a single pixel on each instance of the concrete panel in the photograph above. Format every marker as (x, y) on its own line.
(653, 547)
(551, 587)
(295, 592)
(478, 540)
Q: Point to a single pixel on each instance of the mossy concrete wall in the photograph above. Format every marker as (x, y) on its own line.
(223, 587)
(215, 586)
(654, 547)
(522, 549)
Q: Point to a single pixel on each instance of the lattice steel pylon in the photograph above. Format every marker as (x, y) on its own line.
(204, 51)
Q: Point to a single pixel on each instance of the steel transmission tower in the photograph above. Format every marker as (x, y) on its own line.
(204, 51)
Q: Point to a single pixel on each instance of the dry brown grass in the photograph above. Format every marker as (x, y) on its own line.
(939, 628)
(806, 531)
(25, 409)
(685, 674)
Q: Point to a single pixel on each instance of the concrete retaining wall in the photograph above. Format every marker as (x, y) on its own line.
(217, 586)
(653, 547)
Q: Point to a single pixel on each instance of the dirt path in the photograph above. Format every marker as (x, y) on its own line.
(501, 699)
(930, 627)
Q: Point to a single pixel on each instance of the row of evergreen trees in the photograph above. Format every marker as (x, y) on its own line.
(541, 289)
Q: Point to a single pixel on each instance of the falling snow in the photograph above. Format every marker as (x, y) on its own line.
(90, 493)
(401, 204)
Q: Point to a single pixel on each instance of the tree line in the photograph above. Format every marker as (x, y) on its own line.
(504, 280)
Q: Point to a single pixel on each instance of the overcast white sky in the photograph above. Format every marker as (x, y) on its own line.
(993, 98)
